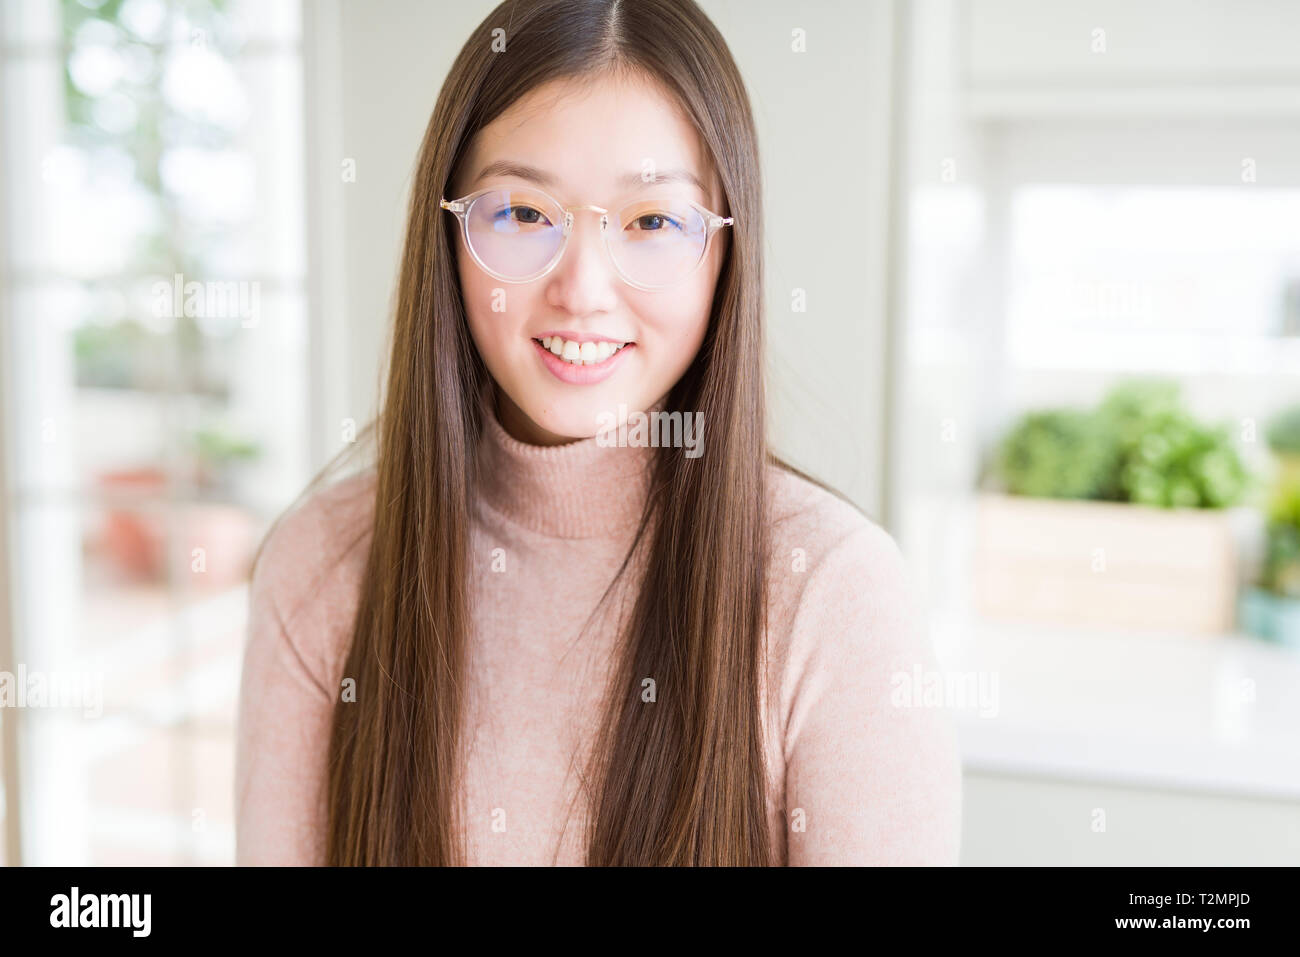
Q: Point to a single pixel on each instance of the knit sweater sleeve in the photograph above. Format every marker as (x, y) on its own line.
(870, 777)
(284, 718)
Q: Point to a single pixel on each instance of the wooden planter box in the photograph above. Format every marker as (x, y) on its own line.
(1105, 564)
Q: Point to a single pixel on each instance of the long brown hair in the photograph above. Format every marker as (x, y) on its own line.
(682, 782)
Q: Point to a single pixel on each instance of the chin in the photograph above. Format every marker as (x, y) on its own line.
(582, 414)
(576, 418)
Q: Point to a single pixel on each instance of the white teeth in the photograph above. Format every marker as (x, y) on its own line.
(584, 353)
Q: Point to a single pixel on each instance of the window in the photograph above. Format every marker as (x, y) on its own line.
(157, 401)
(1068, 255)
(1150, 279)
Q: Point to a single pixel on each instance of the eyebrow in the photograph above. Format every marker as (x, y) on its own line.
(627, 181)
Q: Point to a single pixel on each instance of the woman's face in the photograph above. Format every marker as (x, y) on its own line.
(587, 138)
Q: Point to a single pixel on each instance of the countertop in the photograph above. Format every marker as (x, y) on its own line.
(1218, 713)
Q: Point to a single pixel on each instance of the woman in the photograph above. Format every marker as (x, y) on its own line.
(538, 631)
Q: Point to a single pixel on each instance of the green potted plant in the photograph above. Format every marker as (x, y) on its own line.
(1113, 515)
(219, 452)
(1284, 441)
(1271, 609)
(1058, 453)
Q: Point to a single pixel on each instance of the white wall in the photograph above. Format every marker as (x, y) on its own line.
(823, 125)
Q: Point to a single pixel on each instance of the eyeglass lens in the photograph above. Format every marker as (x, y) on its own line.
(516, 233)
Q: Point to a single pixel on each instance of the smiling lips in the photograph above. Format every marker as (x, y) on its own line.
(581, 363)
(588, 353)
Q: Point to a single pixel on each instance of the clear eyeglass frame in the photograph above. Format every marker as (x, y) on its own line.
(460, 207)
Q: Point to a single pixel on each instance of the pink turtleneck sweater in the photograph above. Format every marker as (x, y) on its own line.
(854, 777)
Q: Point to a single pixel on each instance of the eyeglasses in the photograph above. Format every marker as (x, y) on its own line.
(519, 234)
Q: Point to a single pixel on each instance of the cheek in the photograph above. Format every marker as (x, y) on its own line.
(698, 296)
(490, 309)
(680, 320)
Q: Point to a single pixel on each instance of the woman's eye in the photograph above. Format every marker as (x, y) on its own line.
(652, 222)
(523, 214)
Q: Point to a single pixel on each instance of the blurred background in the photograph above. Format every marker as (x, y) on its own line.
(1056, 246)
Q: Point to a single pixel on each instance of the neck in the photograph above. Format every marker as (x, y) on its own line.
(574, 488)
(518, 425)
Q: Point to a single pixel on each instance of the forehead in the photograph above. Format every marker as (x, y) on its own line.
(589, 136)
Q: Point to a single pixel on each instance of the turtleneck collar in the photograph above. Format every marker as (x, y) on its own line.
(580, 489)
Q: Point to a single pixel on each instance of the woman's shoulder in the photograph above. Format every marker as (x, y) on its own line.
(844, 629)
(317, 547)
(838, 585)
(813, 528)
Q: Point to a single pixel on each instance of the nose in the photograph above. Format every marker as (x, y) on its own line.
(584, 280)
